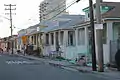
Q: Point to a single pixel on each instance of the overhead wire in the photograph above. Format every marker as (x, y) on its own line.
(62, 10)
(58, 8)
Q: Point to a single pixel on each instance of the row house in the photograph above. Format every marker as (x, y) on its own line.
(21, 34)
(111, 29)
(31, 36)
(74, 39)
(6, 43)
(72, 33)
(36, 35)
(62, 33)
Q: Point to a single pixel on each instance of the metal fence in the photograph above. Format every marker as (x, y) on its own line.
(114, 46)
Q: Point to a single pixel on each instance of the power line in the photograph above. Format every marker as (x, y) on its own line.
(58, 8)
(9, 19)
(63, 10)
(4, 17)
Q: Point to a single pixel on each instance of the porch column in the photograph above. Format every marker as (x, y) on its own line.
(86, 37)
(76, 37)
(107, 56)
(42, 46)
(109, 32)
(33, 39)
(44, 38)
(39, 40)
(65, 38)
(59, 37)
(87, 43)
(65, 42)
(49, 38)
(36, 39)
(54, 40)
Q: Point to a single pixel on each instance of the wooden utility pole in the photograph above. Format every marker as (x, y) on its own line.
(99, 36)
(94, 68)
(10, 13)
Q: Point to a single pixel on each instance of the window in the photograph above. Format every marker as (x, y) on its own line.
(81, 36)
(71, 38)
(119, 33)
(52, 38)
(88, 15)
(104, 34)
(34, 39)
(47, 39)
(57, 42)
(61, 37)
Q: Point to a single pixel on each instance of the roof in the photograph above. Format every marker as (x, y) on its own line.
(68, 23)
(34, 26)
(114, 12)
(47, 29)
(22, 30)
(70, 16)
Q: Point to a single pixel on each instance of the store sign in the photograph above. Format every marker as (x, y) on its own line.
(24, 39)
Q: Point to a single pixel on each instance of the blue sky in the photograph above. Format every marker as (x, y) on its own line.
(27, 13)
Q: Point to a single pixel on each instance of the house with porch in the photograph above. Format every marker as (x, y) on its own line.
(30, 35)
(62, 35)
(6, 43)
(20, 43)
(111, 29)
(74, 40)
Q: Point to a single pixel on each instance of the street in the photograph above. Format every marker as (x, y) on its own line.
(18, 68)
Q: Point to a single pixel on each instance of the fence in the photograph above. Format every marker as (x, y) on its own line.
(114, 46)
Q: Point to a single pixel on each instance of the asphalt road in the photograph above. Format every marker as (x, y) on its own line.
(18, 68)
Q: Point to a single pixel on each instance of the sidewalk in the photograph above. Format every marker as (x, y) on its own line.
(72, 67)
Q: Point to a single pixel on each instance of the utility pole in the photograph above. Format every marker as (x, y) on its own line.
(99, 36)
(11, 27)
(92, 36)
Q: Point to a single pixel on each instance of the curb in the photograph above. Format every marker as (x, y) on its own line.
(63, 67)
(27, 57)
(69, 68)
(98, 73)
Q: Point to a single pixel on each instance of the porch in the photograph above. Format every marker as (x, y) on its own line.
(72, 42)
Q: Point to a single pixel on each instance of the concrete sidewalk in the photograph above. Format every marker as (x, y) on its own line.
(72, 67)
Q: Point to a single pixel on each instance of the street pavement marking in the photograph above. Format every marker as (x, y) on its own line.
(18, 62)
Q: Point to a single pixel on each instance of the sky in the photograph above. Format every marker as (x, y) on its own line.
(27, 13)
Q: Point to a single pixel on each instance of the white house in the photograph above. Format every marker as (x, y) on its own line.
(64, 35)
(74, 39)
